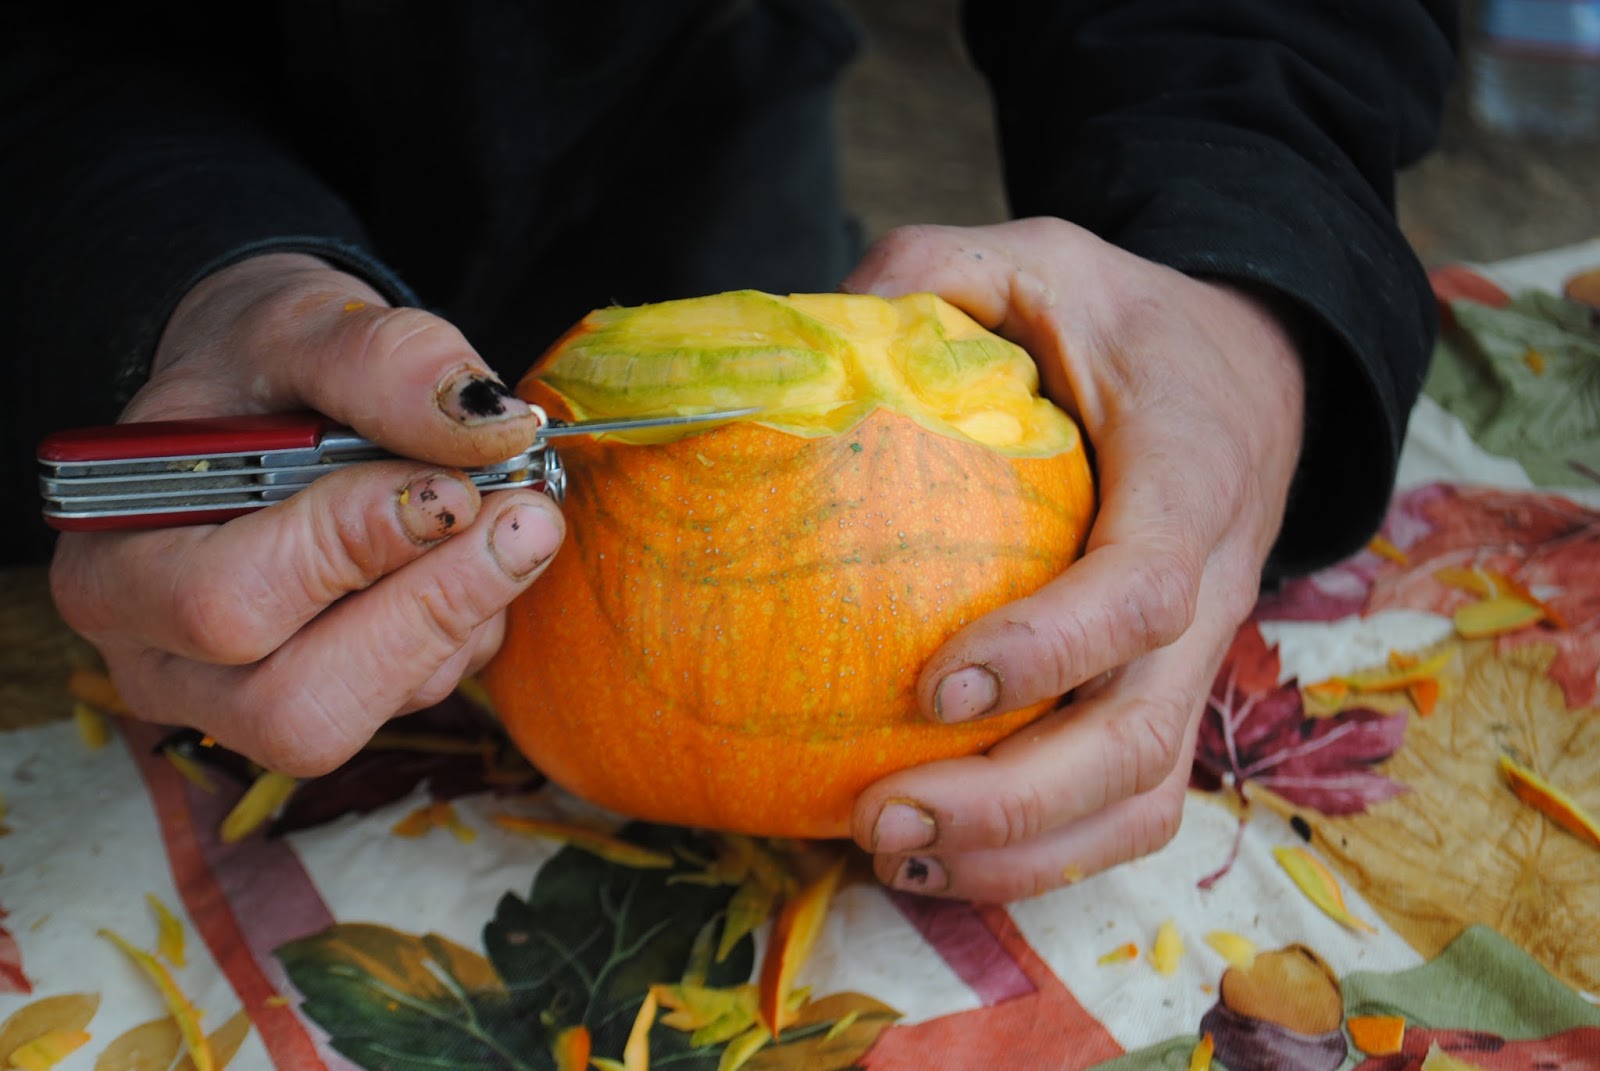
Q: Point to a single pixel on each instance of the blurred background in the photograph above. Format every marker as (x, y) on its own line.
(919, 147)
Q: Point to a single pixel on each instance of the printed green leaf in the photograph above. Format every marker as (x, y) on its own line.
(396, 1001)
(1525, 381)
(593, 936)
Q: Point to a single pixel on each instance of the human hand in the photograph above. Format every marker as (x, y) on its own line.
(292, 633)
(1192, 396)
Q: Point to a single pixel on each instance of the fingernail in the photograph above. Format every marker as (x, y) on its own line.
(903, 826)
(921, 873)
(522, 538)
(473, 398)
(433, 506)
(966, 693)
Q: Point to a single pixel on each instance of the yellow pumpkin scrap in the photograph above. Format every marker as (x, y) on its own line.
(1496, 616)
(256, 807)
(1167, 951)
(795, 931)
(612, 849)
(47, 1050)
(571, 1048)
(1200, 1057)
(178, 1003)
(1314, 879)
(1550, 801)
(1123, 953)
(1238, 950)
(1377, 1035)
(93, 728)
(169, 932)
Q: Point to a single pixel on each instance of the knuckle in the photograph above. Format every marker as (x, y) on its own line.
(212, 623)
(906, 240)
(1238, 589)
(393, 332)
(344, 553)
(447, 615)
(1057, 666)
(302, 735)
(1156, 823)
(1015, 816)
(1142, 747)
(1163, 588)
(69, 593)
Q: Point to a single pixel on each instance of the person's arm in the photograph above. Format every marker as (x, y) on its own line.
(1254, 141)
(130, 168)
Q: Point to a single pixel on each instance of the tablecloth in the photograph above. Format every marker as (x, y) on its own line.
(1356, 881)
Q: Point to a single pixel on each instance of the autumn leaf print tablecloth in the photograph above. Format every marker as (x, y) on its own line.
(1387, 860)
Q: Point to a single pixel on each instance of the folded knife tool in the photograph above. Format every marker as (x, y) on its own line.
(165, 474)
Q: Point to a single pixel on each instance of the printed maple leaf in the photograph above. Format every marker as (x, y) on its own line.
(1255, 729)
(12, 979)
(1547, 543)
(1460, 848)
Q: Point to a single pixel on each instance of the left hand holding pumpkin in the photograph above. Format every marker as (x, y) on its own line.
(1191, 393)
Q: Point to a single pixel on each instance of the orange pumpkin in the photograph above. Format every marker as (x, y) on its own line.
(732, 635)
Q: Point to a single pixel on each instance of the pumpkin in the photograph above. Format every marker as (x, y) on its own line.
(731, 636)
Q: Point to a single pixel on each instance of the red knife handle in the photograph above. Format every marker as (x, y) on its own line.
(186, 438)
(128, 522)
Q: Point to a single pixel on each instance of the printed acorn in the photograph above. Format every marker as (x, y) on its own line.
(1283, 1010)
(732, 636)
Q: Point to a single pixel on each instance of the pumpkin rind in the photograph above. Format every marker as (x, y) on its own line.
(732, 635)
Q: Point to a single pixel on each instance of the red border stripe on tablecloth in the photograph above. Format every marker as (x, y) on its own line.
(201, 866)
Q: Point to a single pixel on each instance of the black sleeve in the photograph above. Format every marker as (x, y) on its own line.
(1255, 141)
(126, 175)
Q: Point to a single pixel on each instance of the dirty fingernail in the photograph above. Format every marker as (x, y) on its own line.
(433, 506)
(922, 874)
(903, 826)
(522, 538)
(966, 693)
(473, 398)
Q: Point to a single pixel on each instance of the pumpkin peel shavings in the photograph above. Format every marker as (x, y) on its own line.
(1123, 953)
(1167, 951)
(1237, 949)
(93, 728)
(178, 1003)
(1504, 603)
(607, 847)
(571, 1048)
(1416, 676)
(266, 794)
(439, 814)
(47, 1050)
(191, 771)
(1313, 878)
(169, 932)
(636, 1052)
(1385, 548)
(1550, 801)
(1377, 1035)
(794, 933)
(1200, 1056)
(95, 688)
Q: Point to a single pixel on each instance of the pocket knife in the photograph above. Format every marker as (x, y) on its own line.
(167, 474)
